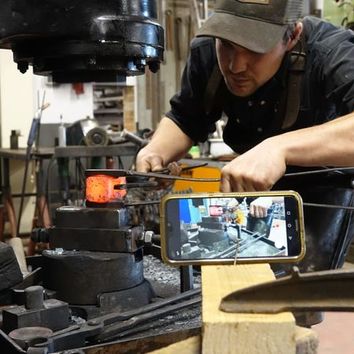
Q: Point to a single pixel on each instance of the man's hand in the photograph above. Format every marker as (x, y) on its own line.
(168, 144)
(256, 170)
(148, 160)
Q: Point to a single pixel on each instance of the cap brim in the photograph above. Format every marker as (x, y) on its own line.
(257, 36)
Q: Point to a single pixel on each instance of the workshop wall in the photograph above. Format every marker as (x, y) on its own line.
(73, 102)
(336, 11)
(16, 99)
(155, 90)
(16, 112)
(19, 97)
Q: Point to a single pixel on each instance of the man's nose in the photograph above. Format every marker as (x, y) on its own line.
(237, 62)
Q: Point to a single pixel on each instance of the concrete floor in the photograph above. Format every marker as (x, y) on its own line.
(336, 332)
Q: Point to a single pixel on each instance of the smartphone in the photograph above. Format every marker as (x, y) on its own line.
(224, 228)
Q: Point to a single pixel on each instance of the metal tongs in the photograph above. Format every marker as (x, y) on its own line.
(162, 174)
(329, 290)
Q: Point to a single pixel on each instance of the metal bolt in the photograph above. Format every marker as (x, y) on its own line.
(22, 66)
(154, 66)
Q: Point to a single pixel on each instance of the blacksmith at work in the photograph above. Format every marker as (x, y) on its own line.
(286, 84)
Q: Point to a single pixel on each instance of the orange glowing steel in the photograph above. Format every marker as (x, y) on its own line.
(101, 189)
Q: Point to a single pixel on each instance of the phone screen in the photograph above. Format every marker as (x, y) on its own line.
(225, 228)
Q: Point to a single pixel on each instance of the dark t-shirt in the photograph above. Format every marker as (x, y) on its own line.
(327, 90)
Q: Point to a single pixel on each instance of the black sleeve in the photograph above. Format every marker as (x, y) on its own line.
(188, 105)
(337, 72)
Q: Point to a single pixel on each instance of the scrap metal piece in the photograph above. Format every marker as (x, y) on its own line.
(329, 290)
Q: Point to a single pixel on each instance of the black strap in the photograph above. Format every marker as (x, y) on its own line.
(211, 91)
(293, 95)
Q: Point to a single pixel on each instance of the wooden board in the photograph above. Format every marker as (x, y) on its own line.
(128, 109)
(242, 333)
(188, 346)
(306, 343)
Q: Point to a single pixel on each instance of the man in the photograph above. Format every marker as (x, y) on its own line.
(287, 89)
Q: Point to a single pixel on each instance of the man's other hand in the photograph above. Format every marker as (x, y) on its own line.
(256, 170)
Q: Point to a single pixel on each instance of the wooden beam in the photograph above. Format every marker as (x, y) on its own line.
(128, 109)
(242, 333)
(187, 346)
(306, 343)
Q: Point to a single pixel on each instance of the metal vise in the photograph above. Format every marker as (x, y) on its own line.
(94, 255)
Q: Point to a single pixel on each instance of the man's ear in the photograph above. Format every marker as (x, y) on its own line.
(295, 36)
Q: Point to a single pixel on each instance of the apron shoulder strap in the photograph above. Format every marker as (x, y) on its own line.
(211, 91)
(293, 94)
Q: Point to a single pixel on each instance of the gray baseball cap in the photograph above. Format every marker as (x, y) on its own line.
(258, 25)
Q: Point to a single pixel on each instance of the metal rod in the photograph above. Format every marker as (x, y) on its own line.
(115, 329)
(329, 206)
(324, 170)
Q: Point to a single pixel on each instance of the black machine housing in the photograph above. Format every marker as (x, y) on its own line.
(82, 41)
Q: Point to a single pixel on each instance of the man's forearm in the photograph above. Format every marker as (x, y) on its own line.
(168, 144)
(331, 143)
(170, 141)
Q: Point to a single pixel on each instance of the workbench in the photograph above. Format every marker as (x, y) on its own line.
(125, 149)
(8, 208)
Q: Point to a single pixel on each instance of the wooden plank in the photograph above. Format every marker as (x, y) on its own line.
(242, 333)
(128, 109)
(187, 346)
(306, 343)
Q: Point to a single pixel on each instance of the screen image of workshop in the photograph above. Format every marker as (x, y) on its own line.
(224, 228)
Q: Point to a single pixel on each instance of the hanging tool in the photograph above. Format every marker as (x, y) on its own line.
(329, 290)
(169, 23)
(31, 139)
